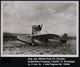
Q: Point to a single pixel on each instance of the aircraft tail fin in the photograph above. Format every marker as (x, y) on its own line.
(64, 38)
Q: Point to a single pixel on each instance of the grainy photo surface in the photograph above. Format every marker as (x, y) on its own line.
(39, 28)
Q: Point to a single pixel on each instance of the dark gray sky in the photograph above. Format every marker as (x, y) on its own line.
(59, 18)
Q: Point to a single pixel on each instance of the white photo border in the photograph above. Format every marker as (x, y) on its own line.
(77, 32)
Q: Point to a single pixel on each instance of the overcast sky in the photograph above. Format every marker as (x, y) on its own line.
(58, 18)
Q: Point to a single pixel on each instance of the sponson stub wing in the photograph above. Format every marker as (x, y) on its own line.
(38, 41)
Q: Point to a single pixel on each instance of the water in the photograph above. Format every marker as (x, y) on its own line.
(17, 47)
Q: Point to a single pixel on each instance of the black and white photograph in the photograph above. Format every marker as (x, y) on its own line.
(39, 29)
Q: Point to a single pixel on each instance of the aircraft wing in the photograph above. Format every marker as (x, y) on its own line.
(38, 38)
(45, 37)
(24, 39)
(49, 36)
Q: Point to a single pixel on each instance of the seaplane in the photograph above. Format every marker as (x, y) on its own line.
(36, 38)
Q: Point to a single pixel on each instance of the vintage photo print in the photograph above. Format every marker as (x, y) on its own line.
(39, 29)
